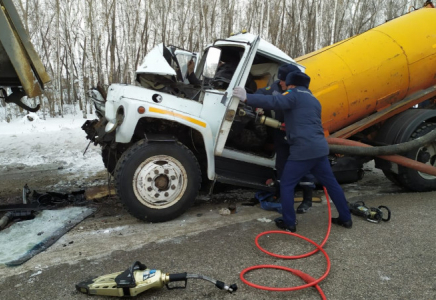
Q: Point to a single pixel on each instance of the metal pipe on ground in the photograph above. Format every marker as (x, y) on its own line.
(343, 146)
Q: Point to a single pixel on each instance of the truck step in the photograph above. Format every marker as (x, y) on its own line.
(245, 183)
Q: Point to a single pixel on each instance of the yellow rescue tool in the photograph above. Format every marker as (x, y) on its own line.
(138, 279)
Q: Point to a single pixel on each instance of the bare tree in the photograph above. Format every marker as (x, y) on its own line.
(83, 42)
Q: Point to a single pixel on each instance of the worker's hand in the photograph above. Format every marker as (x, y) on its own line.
(240, 93)
(260, 111)
(283, 127)
(191, 66)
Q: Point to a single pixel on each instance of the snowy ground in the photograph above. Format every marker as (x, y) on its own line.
(54, 140)
(51, 148)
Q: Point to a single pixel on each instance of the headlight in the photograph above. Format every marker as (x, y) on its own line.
(111, 126)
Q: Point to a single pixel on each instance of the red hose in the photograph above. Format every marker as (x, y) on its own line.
(310, 281)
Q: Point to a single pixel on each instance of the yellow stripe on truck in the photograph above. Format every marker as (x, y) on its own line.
(177, 115)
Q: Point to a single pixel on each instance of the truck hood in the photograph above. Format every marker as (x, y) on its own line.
(155, 63)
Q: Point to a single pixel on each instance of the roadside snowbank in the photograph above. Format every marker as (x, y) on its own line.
(32, 141)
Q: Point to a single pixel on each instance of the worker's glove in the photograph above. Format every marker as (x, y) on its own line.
(283, 127)
(191, 66)
(260, 111)
(240, 93)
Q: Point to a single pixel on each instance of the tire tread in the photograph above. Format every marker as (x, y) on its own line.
(126, 156)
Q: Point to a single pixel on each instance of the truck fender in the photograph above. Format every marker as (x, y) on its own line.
(155, 137)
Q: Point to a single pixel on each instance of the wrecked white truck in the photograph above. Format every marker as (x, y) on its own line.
(163, 138)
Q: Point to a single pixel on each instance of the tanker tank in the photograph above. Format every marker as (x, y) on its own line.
(368, 72)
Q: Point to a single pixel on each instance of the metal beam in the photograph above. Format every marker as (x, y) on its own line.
(17, 51)
(386, 113)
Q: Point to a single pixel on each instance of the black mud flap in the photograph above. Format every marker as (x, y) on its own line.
(347, 170)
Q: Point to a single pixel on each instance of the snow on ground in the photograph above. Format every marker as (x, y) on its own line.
(58, 141)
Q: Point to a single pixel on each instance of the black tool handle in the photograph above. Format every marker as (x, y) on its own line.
(178, 277)
(389, 212)
(138, 264)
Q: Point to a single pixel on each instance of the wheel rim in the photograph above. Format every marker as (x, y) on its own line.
(427, 155)
(160, 181)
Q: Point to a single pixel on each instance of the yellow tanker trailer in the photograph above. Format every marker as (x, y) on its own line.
(368, 83)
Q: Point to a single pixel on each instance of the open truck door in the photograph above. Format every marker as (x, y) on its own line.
(232, 102)
(21, 69)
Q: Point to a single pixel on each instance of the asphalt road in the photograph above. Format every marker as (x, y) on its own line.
(390, 260)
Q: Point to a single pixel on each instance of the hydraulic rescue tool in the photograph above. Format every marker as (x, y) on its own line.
(371, 214)
(138, 279)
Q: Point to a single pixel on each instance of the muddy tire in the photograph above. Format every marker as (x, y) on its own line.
(110, 158)
(415, 180)
(157, 182)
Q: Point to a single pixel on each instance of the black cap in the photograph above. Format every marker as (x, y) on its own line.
(286, 69)
(298, 79)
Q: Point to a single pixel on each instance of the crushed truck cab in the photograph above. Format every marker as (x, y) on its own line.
(173, 131)
(162, 138)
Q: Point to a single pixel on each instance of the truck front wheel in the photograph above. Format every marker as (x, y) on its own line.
(110, 158)
(157, 182)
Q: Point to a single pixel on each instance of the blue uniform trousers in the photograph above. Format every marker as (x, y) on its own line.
(282, 154)
(319, 167)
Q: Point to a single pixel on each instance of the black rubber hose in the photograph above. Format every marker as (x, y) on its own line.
(335, 145)
(5, 219)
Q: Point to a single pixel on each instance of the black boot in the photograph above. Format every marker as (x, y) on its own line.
(307, 200)
(280, 223)
(346, 224)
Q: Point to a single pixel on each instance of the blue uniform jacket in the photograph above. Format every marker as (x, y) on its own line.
(302, 115)
(273, 89)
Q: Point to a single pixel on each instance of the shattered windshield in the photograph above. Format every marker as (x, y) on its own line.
(183, 59)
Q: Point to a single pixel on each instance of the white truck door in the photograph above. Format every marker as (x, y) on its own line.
(232, 103)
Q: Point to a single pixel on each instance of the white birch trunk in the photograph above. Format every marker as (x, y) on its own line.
(79, 63)
(319, 7)
(300, 28)
(332, 38)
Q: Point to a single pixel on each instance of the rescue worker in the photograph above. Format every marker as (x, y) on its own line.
(281, 145)
(429, 4)
(308, 147)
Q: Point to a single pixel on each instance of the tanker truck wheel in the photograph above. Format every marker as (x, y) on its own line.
(404, 127)
(415, 180)
(157, 182)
